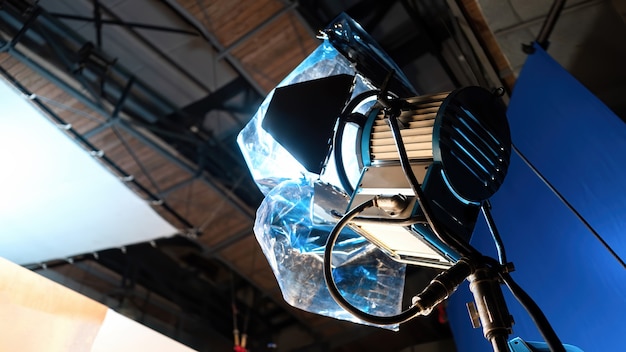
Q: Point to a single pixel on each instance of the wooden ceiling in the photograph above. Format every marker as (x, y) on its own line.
(267, 37)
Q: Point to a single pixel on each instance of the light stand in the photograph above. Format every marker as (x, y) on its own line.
(490, 307)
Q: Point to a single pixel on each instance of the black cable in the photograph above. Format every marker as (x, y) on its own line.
(332, 287)
(461, 247)
(495, 234)
(439, 289)
(540, 320)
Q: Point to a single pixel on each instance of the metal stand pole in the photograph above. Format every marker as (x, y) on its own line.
(490, 308)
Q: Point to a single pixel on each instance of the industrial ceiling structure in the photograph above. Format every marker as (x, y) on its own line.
(157, 90)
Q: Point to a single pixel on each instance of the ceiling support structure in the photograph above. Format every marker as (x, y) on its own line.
(152, 47)
(91, 278)
(251, 97)
(248, 35)
(313, 32)
(97, 15)
(155, 200)
(117, 22)
(140, 102)
(218, 100)
(95, 152)
(176, 8)
(177, 186)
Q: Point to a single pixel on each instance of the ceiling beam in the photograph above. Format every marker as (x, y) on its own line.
(226, 50)
(133, 106)
(178, 10)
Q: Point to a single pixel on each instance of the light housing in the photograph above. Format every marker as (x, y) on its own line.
(321, 144)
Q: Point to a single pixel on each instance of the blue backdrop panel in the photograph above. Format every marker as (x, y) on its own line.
(580, 146)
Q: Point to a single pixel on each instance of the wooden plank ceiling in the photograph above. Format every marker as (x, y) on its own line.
(265, 36)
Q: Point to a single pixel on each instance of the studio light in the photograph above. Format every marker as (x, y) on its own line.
(326, 129)
(363, 176)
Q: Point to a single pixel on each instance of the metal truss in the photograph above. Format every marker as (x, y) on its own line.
(47, 46)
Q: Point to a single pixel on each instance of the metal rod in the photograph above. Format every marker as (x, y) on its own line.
(68, 63)
(500, 344)
(137, 161)
(176, 186)
(157, 51)
(125, 24)
(97, 20)
(122, 98)
(538, 20)
(26, 26)
(491, 307)
(549, 23)
(99, 129)
(210, 181)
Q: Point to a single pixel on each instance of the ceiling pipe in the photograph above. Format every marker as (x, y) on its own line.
(550, 22)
